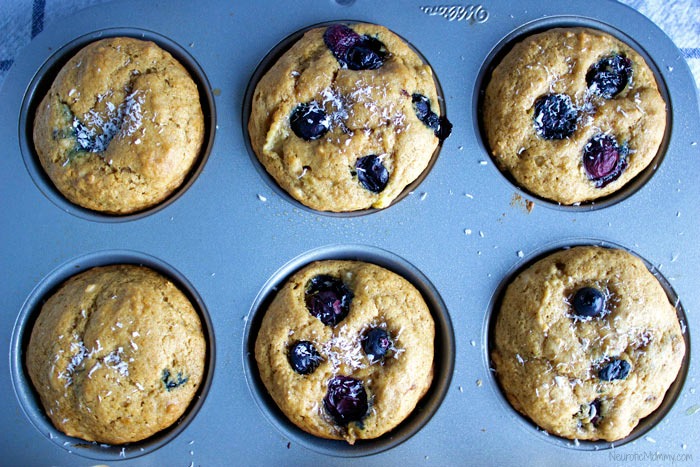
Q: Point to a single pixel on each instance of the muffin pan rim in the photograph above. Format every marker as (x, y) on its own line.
(539, 25)
(42, 81)
(443, 365)
(646, 424)
(26, 394)
(268, 61)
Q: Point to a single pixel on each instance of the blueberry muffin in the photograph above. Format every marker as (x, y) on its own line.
(116, 354)
(121, 126)
(345, 349)
(573, 114)
(587, 343)
(346, 118)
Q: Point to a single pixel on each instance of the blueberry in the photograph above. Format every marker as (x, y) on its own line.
(86, 139)
(328, 299)
(610, 75)
(555, 116)
(309, 121)
(590, 414)
(371, 173)
(340, 39)
(616, 369)
(376, 343)
(172, 383)
(346, 400)
(304, 357)
(589, 302)
(440, 125)
(603, 159)
(352, 50)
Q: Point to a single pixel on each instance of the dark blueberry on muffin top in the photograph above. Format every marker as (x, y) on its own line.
(555, 116)
(304, 357)
(346, 400)
(603, 159)
(309, 121)
(371, 173)
(616, 369)
(328, 299)
(352, 50)
(440, 125)
(589, 302)
(376, 343)
(610, 75)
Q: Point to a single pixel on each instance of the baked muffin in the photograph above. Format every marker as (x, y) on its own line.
(116, 354)
(346, 118)
(121, 126)
(587, 343)
(573, 114)
(345, 349)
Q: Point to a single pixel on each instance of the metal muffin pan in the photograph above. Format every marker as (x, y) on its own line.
(229, 237)
(264, 66)
(647, 423)
(559, 21)
(41, 83)
(443, 361)
(28, 398)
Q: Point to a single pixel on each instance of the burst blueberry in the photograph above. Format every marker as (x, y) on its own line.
(555, 116)
(303, 357)
(595, 413)
(371, 173)
(328, 299)
(309, 121)
(376, 343)
(604, 159)
(616, 369)
(352, 50)
(441, 126)
(589, 302)
(171, 382)
(610, 75)
(346, 400)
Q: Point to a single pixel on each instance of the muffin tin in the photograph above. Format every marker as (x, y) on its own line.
(229, 237)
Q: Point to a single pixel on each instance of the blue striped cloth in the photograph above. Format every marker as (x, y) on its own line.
(21, 20)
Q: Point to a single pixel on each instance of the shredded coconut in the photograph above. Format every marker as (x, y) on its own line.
(96, 367)
(340, 107)
(114, 361)
(79, 353)
(344, 349)
(98, 130)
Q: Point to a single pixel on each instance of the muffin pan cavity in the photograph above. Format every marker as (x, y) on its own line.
(29, 399)
(647, 424)
(44, 77)
(264, 66)
(501, 49)
(443, 365)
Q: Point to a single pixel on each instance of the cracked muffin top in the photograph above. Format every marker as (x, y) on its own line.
(346, 118)
(573, 114)
(120, 127)
(587, 343)
(116, 354)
